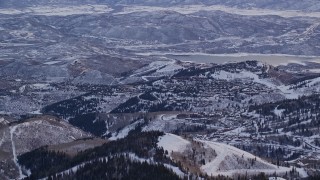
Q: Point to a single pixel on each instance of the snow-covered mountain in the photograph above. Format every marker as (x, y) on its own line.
(22, 137)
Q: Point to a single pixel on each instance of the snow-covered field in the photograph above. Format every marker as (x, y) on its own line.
(229, 158)
(171, 142)
(229, 161)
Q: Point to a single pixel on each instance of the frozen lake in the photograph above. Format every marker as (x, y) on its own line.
(272, 59)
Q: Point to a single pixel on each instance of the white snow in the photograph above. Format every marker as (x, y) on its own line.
(15, 159)
(132, 156)
(225, 163)
(2, 120)
(37, 112)
(161, 68)
(314, 82)
(238, 131)
(56, 133)
(243, 75)
(40, 86)
(124, 132)
(314, 70)
(2, 138)
(302, 172)
(73, 169)
(176, 170)
(226, 151)
(276, 178)
(22, 88)
(278, 112)
(190, 9)
(59, 11)
(288, 93)
(51, 62)
(173, 143)
(163, 122)
(224, 75)
(284, 89)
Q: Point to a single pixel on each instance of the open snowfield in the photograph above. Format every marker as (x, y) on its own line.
(226, 162)
(171, 142)
(229, 161)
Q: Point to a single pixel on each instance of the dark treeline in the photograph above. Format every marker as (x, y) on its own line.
(72, 107)
(119, 167)
(89, 123)
(230, 67)
(42, 162)
(304, 109)
(290, 105)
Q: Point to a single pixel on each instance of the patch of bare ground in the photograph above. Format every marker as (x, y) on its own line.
(281, 76)
(195, 155)
(73, 148)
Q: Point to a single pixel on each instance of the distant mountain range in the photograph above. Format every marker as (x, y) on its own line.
(306, 5)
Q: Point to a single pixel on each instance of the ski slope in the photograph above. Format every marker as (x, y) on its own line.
(230, 161)
(173, 143)
(226, 163)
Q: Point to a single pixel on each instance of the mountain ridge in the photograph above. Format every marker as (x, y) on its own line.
(307, 5)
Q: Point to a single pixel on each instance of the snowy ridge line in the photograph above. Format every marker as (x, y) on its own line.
(38, 128)
(151, 161)
(75, 168)
(185, 9)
